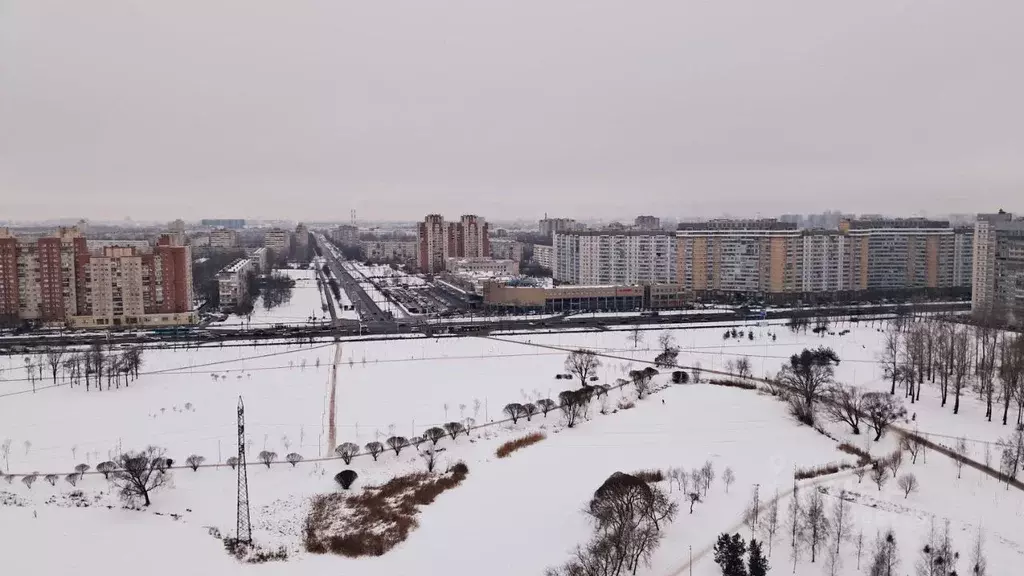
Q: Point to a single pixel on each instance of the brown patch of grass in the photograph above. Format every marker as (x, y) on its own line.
(374, 521)
(823, 470)
(733, 384)
(512, 445)
(649, 476)
(863, 457)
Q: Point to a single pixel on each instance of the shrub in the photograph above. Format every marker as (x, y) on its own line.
(625, 404)
(512, 445)
(345, 478)
(649, 475)
(680, 377)
(863, 456)
(733, 384)
(293, 458)
(823, 470)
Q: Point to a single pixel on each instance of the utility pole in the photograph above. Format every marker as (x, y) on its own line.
(243, 528)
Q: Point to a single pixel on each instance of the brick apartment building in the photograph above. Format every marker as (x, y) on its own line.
(439, 240)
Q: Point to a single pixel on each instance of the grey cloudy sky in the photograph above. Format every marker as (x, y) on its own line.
(307, 109)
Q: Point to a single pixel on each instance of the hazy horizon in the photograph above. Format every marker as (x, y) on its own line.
(590, 109)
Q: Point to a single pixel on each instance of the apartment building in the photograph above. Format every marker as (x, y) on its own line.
(998, 266)
(224, 238)
(747, 256)
(622, 257)
(260, 260)
(963, 256)
(434, 244)
(345, 234)
(65, 279)
(301, 238)
(233, 283)
(279, 240)
(647, 223)
(899, 254)
(544, 256)
(438, 240)
(398, 251)
(548, 226)
(506, 249)
(233, 223)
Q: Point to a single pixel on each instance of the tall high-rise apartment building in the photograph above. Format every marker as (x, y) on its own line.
(998, 279)
(624, 257)
(439, 240)
(647, 223)
(548, 226)
(61, 279)
(747, 256)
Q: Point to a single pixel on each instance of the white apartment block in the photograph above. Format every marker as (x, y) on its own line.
(232, 282)
(389, 250)
(614, 257)
(544, 256)
(825, 263)
(279, 240)
(224, 238)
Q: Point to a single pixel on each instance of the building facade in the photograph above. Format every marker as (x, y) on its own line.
(233, 223)
(647, 223)
(345, 234)
(279, 240)
(233, 283)
(440, 240)
(544, 256)
(224, 238)
(506, 249)
(614, 257)
(998, 275)
(397, 251)
(301, 239)
(900, 254)
(548, 226)
(482, 266)
(63, 279)
(559, 299)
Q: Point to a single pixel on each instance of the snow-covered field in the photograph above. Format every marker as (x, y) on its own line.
(306, 304)
(185, 401)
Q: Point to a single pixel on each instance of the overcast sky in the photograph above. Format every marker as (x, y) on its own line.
(588, 108)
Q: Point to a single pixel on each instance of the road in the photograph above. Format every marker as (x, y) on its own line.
(367, 308)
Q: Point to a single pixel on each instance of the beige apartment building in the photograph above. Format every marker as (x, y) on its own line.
(998, 274)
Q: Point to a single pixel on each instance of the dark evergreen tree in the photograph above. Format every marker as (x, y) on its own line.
(729, 552)
(758, 564)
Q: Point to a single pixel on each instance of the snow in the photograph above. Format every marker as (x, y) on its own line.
(307, 300)
(495, 514)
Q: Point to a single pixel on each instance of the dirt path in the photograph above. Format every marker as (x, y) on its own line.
(332, 424)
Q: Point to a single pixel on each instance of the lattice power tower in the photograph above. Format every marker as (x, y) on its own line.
(244, 526)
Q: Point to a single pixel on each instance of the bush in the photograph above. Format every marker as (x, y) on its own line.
(680, 377)
(863, 457)
(625, 405)
(345, 478)
(649, 475)
(512, 445)
(823, 470)
(460, 468)
(733, 384)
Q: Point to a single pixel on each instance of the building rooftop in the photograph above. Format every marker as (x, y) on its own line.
(235, 266)
(875, 223)
(729, 224)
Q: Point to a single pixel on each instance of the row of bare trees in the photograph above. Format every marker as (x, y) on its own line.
(88, 366)
(957, 358)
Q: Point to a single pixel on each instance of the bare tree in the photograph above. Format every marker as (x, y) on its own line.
(429, 458)
(293, 458)
(842, 520)
(138, 474)
(583, 364)
(961, 364)
(546, 405)
(52, 479)
(232, 462)
(529, 409)
(81, 469)
(817, 523)
(696, 372)
(347, 451)
(636, 337)
(912, 444)
(514, 411)
(434, 434)
(728, 477)
(1011, 372)
(195, 461)
(454, 429)
(1011, 454)
(879, 475)
(890, 357)
(979, 565)
(885, 558)
(54, 356)
(907, 483)
(845, 404)
(708, 474)
(806, 377)
(742, 367)
(374, 449)
(71, 479)
(960, 449)
(795, 521)
(572, 403)
(895, 461)
(881, 411)
(396, 443)
(770, 524)
(29, 479)
(267, 457)
(641, 380)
